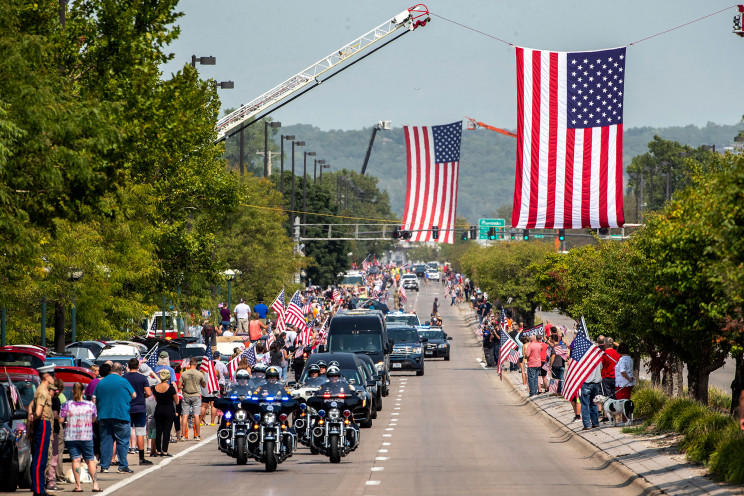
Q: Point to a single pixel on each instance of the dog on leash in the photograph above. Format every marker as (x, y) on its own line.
(612, 408)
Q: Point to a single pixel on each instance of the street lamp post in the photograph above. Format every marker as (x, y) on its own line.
(74, 275)
(267, 125)
(230, 276)
(304, 191)
(203, 60)
(323, 165)
(292, 200)
(281, 169)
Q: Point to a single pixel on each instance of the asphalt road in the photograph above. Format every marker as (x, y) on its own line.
(456, 430)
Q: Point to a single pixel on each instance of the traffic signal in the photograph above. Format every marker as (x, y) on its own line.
(561, 234)
(406, 235)
(526, 234)
(473, 232)
(396, 233)
(513, 233)
(435, 232)
(491, 233)
(464, 236)
(501, 233)
(603, 231)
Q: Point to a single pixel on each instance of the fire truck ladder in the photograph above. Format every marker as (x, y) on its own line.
(338, 61)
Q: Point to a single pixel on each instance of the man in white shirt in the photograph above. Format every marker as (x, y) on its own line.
(242, 314)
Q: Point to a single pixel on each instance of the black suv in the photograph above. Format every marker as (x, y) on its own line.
(362, 332)
(407, 348)
(15, 446)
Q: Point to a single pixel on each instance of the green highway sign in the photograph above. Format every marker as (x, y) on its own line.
(485, 224)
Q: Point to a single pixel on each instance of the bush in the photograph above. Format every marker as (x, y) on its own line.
(666, 419)
(727, 462)
(648, 402)
(688, 415)
(719, 399)
(705, 433)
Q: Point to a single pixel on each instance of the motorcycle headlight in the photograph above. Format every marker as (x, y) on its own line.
(241, 415)
(443, 345)
(417, 350)
(269, 418)
(380, 366)
(334, 414)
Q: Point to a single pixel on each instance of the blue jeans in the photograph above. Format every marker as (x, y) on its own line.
(589, 409)
(558, 375)
(533, 373)
(114, 430)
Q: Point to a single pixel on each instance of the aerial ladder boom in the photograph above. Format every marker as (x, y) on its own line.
(408, 20)
(473, 124)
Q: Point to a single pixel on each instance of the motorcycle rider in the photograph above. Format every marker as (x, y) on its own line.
(322, 366)
(241, 386)
(258, 375)
(313, 376)
(271, 386)
(336, 382)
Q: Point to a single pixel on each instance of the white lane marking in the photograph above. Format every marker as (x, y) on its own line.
(395, 413)
(382, 458)
(386, 444)
(160, 465)
(378, 469)
(389, 429)
(387, 435)
(396, 408)
(372, 483)
(382, 451)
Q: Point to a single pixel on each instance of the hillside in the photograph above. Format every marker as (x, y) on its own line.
(487, 158)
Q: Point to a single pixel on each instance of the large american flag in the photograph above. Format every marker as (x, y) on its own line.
(585, 356)
(232, 365)
(207, 368)
(433, 155)
(278, 308)
(569, 139)
(293, 315)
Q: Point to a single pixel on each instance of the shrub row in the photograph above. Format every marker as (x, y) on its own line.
(710, 437)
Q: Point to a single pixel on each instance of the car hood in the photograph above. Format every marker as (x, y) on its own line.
(399, 344)
(436, 341)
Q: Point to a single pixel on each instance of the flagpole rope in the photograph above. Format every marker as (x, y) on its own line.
(471, 29)
(629, 44)
(682, 25)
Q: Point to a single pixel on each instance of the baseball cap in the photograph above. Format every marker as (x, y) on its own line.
(163, 354)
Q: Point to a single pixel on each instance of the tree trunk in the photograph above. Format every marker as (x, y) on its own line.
(637, 365)
(655, 378)
(667, 381)
(59, 326)
(697, 382)
(678, 378)
(738, 383)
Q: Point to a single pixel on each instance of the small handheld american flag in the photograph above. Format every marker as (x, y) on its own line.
(207, 368)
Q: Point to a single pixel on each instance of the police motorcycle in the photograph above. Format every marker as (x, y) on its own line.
(333, 430)
(235, 424)
(270, 439)
(302, 393)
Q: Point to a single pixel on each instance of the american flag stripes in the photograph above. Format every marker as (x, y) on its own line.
(513, 356)
(553, 386)
(336, 295)
(151, 358)
(569, 139)
(403, 295)
(507, 346)
(585, 357)
(561, 351)
(279, 310)
(248, 353)
(433, 157)
(207, 368)
(306, 334)
(293, 315)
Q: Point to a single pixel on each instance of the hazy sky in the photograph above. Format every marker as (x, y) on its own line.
(442, 72)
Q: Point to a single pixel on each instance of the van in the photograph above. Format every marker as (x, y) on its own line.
(362, 332)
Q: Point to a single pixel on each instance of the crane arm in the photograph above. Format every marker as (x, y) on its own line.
(408, 19)
(474, 123)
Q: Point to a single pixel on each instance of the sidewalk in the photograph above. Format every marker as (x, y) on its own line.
(113, 480)
(662, 467)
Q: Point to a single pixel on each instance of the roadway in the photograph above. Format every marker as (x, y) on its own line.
(456, 430)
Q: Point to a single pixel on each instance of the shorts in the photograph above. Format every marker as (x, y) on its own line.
(139, 422)
(208, 399)
(151, 428)
(80, 449)
(543, 372)
(189, 403)
(623, 393)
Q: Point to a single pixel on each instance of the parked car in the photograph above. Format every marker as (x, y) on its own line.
(71, 375)
(22, 356)
(15, 445)
(85, 349)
